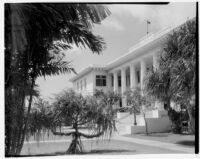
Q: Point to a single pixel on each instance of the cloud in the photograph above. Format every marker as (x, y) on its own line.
(160, 15)
(112, 23)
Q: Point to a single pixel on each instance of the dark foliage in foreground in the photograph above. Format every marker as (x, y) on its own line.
(35, 35)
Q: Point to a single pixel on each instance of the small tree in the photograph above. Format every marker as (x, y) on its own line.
(146, 106)
(134, 106)
(94, 113)
(142, 102)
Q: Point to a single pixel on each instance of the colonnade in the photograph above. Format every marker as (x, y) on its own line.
(133, 75)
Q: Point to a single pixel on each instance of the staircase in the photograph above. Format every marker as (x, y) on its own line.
(156, 122)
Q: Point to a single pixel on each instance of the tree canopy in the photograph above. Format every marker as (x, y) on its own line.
(175, 79)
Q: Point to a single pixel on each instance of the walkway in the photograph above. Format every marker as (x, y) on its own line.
(157, 144)
(121, 127)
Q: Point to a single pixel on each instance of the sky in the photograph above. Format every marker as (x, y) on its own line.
(121, 30)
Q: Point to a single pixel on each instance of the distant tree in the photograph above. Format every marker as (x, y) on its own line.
(146, 106)
(96, 114)
(141, 101)
(108, 98)
(132, 100)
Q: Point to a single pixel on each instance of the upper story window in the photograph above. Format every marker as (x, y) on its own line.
(100, 80)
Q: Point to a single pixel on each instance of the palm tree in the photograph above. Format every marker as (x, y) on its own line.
(175, 80)
(34, 36)
(158, 84)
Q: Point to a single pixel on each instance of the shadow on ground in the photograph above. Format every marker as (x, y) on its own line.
(109, 151)
(154, 135)
(186, 143)
(102, 151)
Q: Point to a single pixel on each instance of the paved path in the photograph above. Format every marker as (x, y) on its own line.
(158, 144)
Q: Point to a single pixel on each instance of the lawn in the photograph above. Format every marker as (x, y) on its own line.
(184, 140)
(113, 147)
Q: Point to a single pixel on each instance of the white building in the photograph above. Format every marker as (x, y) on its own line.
(128, 71)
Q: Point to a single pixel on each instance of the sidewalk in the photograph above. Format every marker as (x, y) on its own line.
(158, 144)
(119, 135)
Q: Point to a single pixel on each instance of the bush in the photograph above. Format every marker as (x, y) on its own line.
(177, 118)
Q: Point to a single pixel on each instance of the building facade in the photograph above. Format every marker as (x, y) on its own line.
(127, 71)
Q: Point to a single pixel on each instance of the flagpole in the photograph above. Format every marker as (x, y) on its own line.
(148, 22)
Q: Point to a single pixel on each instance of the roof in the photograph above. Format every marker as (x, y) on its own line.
(86, 70)
(147, 40)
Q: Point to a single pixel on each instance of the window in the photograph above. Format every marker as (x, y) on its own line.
(128, 80)
(85, 83)
(81, 85)
(100, 80)
(112, 81)
(119, 81)
(138, 76)
(77, 86)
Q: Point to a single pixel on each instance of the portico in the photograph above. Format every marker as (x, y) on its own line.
(132, 74)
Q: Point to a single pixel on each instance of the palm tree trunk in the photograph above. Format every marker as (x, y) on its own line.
(191, 118)
(20, 121)
(28, 113)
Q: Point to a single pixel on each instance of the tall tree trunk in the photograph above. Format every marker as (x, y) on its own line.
(191, 118)
(8, 128)
(135, 122)
(168, 104)
(20, 121)
(146, 126)
(27, 117)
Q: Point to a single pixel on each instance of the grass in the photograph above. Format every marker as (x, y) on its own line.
(184, 140)
(92, 148)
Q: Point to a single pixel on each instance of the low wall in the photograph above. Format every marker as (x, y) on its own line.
(154, 125)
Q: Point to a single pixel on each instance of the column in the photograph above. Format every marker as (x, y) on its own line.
(155, 61)
(123, 86)
(123, 80)
(109, 82)
(133, 79)
(142, 72)
(115, 81)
